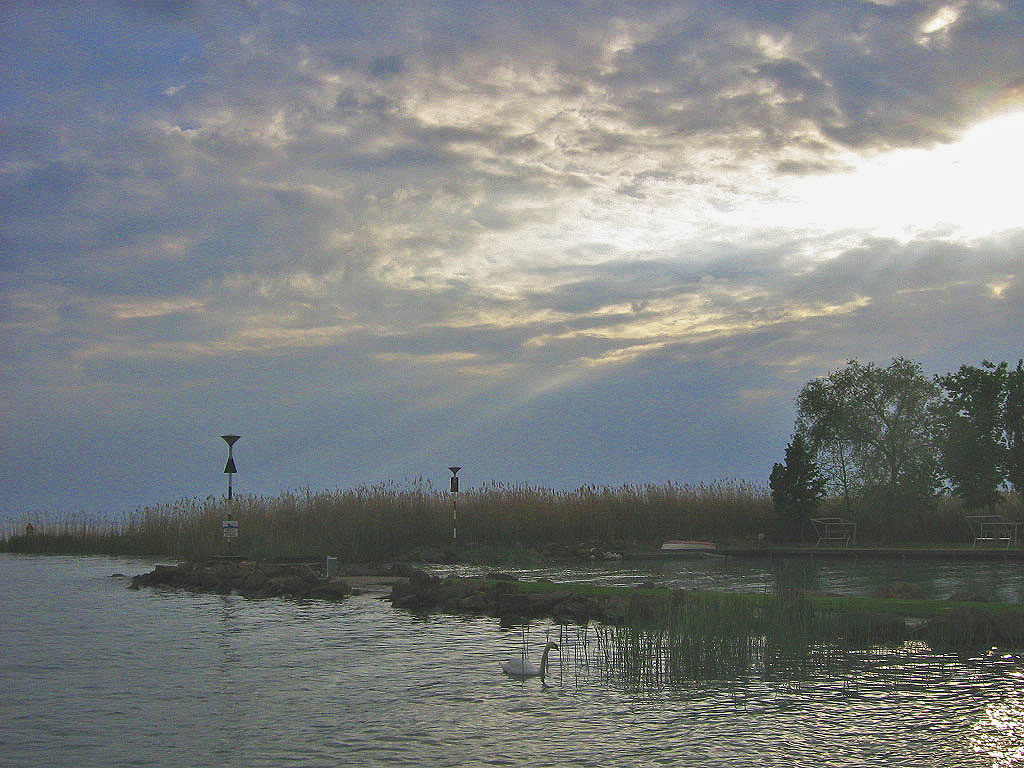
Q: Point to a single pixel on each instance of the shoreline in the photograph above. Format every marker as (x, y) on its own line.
(490, 555)
(885, 553)
(960, 625)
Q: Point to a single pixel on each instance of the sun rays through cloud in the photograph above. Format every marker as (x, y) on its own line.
(368, 220)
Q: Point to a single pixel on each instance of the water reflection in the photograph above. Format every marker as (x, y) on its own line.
(908, 680)
(640, 660)
(999, 734)
(97, 675)
(999, 581)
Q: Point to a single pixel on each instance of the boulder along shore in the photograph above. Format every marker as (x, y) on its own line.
(248, 578)
(407, 588)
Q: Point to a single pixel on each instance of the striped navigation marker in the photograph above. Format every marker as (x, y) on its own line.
(229, 468)
(455, 509)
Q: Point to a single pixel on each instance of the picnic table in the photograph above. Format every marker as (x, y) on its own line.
(833, 530)
(993, 528)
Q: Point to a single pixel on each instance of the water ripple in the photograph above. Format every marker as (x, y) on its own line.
(97, 675)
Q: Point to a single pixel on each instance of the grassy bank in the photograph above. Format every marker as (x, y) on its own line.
(392, 521)
(728, 623)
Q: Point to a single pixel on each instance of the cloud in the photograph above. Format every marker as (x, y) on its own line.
(418, 208)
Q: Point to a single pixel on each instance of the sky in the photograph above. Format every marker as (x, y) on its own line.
(555, 243)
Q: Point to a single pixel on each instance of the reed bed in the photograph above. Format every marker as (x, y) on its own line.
(391, 519)
(718, 638)
(386, 520)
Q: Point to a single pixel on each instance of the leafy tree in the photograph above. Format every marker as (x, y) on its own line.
(971, 431)
(797, 487)
(875, 425)
(1013, 427)
(825, 407)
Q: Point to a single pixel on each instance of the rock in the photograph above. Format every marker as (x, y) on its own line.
(246, 578)
(399, 569)
(422, 577)
(524, 605)
(294, 585)
(208, 579)
(475, 603)
(578, 609)
(254, 581)
(968, 596)
(900, 590)
(333, 589)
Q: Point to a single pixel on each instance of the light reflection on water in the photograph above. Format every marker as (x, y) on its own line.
(94, 674)
(999, 733)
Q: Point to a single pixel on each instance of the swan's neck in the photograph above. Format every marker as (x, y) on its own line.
(544, 660)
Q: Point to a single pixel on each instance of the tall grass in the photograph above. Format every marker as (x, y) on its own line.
(941, 520)
(386, 520)
(391, 519)
(727, 637)
(528, 516)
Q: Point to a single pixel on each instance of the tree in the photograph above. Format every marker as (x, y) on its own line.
(971, 438)
(825, 407)
(875, 425)
(1013, 427)
(797, 487)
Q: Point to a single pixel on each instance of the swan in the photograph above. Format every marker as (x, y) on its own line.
(519, 666)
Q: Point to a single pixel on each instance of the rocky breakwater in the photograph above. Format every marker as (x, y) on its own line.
(252, 579)
(501, 596)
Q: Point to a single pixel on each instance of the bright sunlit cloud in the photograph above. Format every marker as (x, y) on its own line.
(965, 189)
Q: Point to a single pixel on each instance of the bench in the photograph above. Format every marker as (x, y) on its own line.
(993, 528)
(831, 530)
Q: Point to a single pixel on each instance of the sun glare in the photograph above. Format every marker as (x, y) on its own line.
(965, 189)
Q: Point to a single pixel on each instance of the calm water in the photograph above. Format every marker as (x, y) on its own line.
(94, 674)
(998, 580)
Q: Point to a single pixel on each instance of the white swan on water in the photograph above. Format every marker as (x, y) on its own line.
(519, 666)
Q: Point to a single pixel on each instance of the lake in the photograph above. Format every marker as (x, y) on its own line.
(95, 674)
(996, 580)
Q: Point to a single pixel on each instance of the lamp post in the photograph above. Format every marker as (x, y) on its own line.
(455, 508)
(229, 468)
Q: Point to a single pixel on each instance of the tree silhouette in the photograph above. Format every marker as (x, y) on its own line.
(797, 488)
(970, 432)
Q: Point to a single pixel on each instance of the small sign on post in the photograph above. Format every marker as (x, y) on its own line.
(230, 528)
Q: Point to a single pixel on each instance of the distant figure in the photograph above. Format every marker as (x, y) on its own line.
(30, 529)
